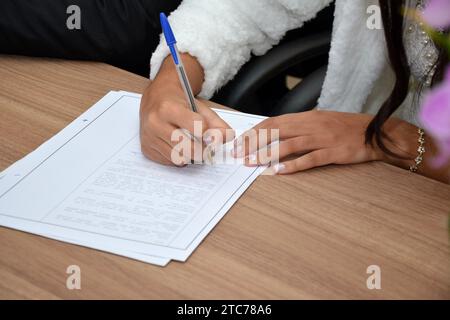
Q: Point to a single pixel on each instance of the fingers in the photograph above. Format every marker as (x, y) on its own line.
(185, 133)
(183, 118)
(205, 125)
(177, 141)
(168, 145)
(218, 130)
(256, 138)
(185, 148)
(310, 160)
(271, 130)
(169, 127)
(155, 155)
(278, 151)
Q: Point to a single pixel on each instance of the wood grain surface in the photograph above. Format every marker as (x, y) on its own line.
(307, 236)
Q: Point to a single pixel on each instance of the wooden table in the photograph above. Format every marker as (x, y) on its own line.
(310, 235)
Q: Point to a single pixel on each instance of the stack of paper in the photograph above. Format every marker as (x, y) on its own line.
(90, 185)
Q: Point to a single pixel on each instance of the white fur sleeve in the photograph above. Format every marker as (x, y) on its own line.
(222, 34)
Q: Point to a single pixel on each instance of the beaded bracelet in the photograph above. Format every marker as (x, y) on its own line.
(420, 150)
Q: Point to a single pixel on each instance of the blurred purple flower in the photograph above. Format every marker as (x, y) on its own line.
(437, 13)
(435, 117)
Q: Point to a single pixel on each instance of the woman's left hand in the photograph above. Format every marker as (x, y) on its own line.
(318, 138)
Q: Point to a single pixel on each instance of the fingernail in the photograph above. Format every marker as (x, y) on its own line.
(181, 163)
(278, 168)
(238, 142)
(208, 139)
(237, 150)
(252, 159)
(210, 155)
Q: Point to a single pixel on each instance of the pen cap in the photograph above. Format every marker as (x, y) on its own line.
(168, 33)
(170, 38)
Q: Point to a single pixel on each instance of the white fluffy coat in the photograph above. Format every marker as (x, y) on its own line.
(222, 35)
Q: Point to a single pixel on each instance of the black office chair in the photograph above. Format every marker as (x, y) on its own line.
(260, 86)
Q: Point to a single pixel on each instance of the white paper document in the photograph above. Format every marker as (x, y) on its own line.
(90, 185)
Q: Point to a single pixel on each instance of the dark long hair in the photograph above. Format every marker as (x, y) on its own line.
(393, 18)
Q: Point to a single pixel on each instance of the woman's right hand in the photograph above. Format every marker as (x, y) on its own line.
(164, 110)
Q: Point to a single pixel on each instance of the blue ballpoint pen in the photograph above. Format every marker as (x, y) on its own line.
(172, 44)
